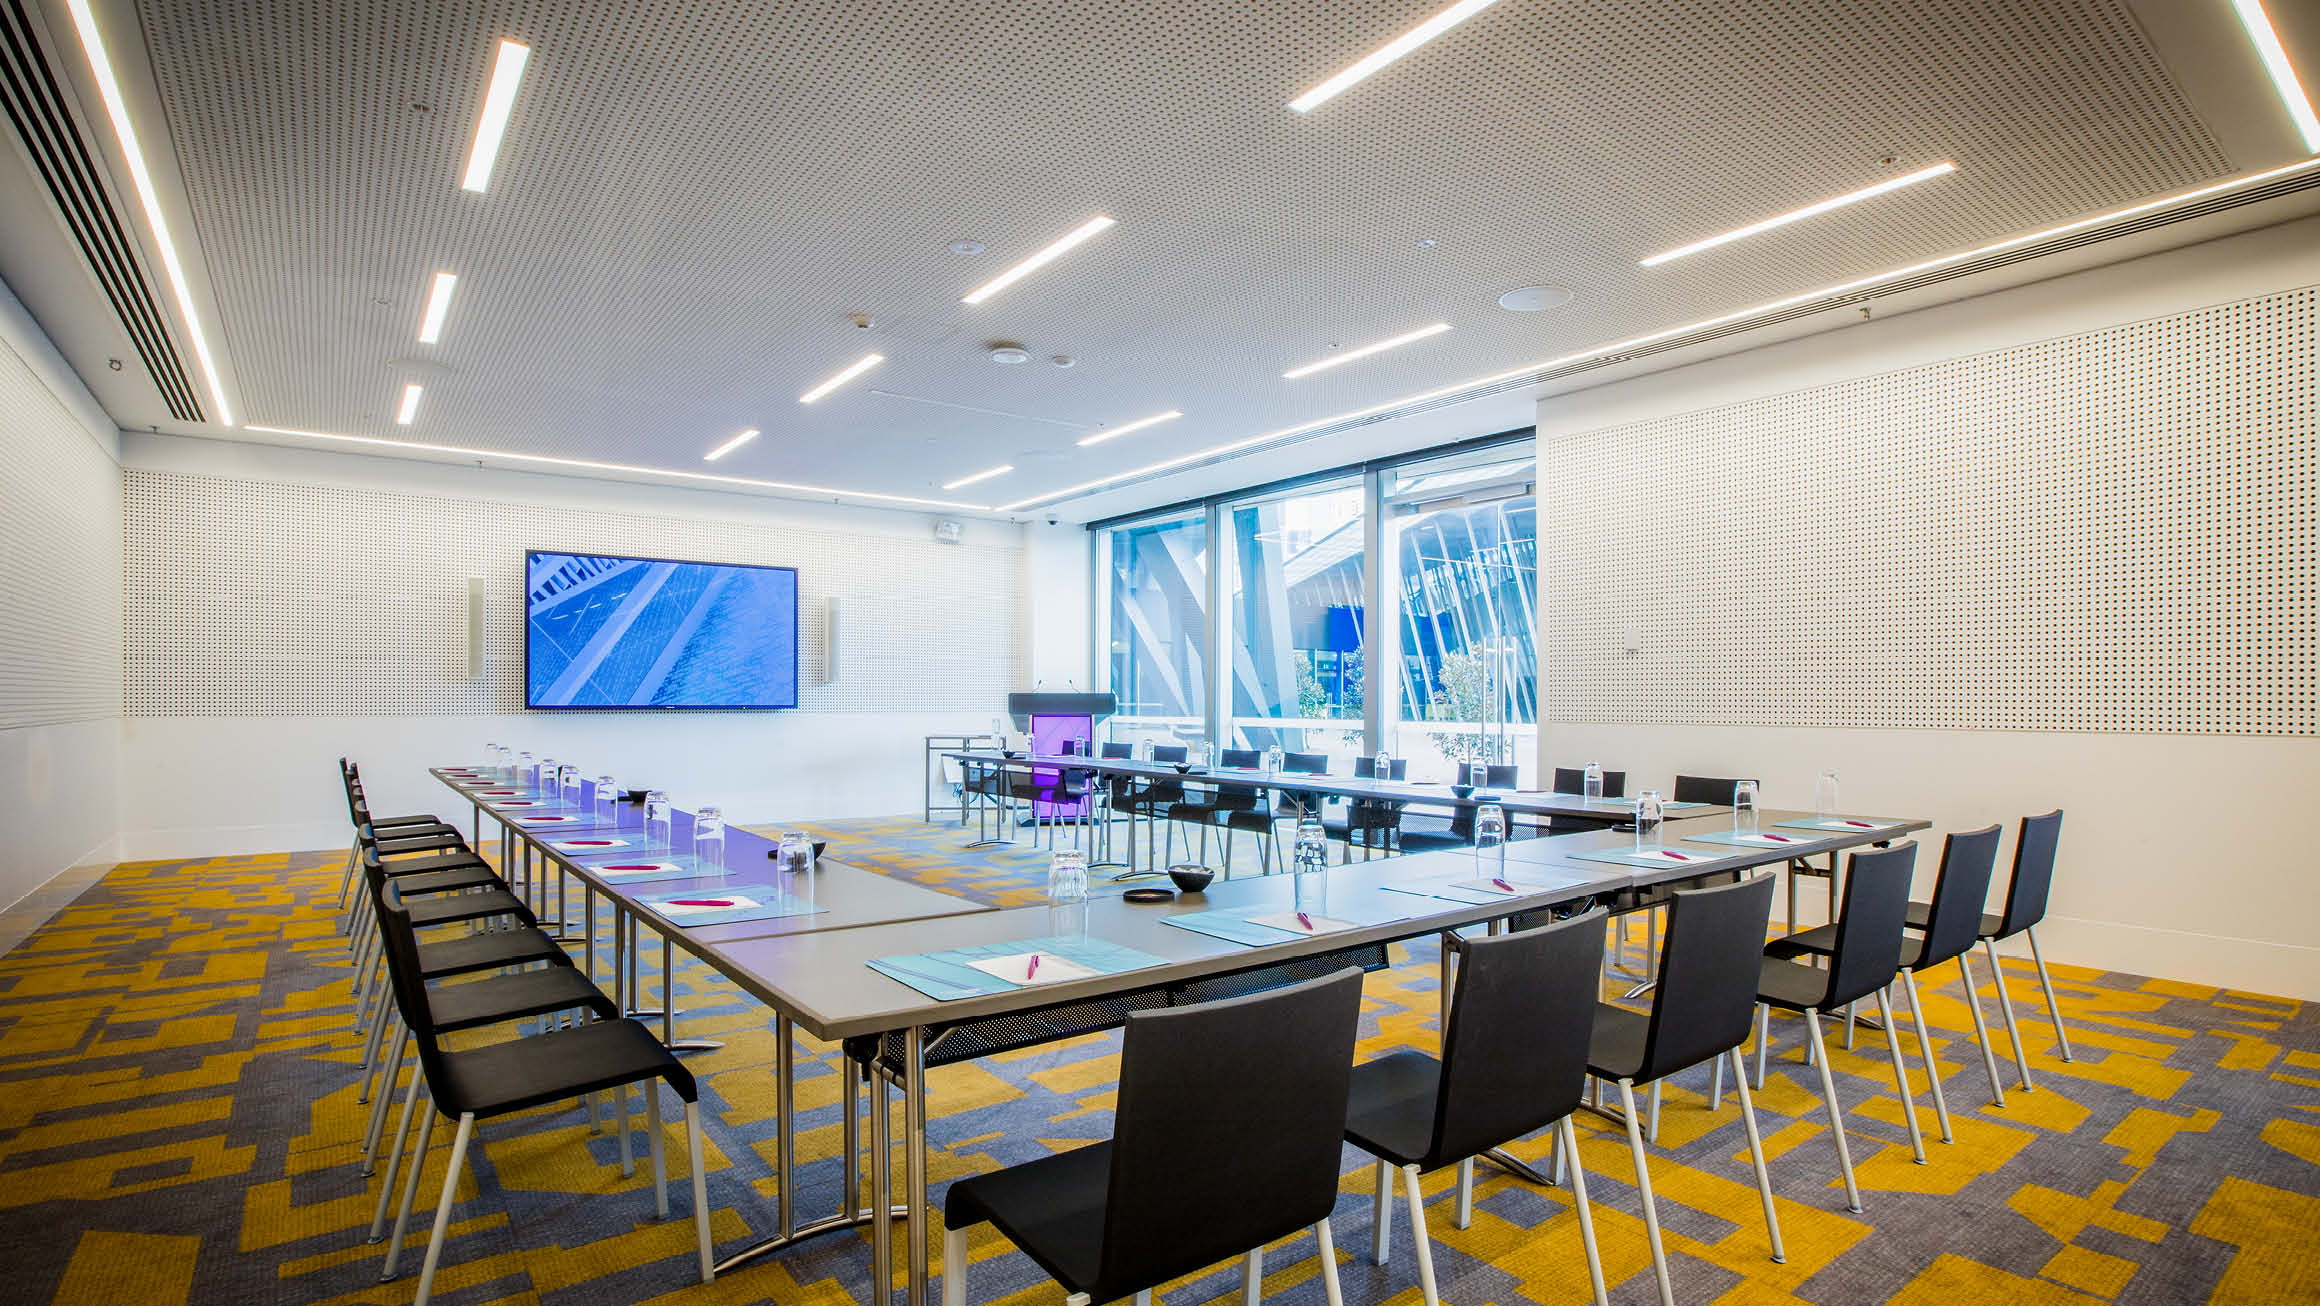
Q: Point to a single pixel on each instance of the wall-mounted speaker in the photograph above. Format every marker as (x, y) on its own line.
(830, 642)
(474, 627)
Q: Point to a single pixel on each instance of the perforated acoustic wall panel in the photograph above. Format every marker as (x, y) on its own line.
(60, 551)
(256, 598)
(2113, 531)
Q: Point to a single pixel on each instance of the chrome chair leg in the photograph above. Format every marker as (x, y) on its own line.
(1756, 1158)
(1981, 1031)
(1812, 1021)
(1667, 1292)
(2006, 1013)
(1901, 1076)
(2046, 982)
(1381, 1216)
(1925, 1050)
(1417, 1198)
(1332, 1294)
(1568, 1146)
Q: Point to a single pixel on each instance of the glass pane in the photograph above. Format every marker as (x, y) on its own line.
(1466, 532)
(1159, 629)
(1297, 624)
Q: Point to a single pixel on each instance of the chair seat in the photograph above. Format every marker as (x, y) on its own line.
(1260, 822)
(1052, 1208)
(1194, 813)
(1821, 940)
(395, 845)
(466, 877)
(512, 997)
(1427, 841)
(553, 1067)
(1921, 915)
(1792, 986)
(1615, 1046)
(1390, 1109)
(467, 907)
(488, 951)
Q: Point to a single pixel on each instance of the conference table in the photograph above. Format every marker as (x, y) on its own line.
(842, 982)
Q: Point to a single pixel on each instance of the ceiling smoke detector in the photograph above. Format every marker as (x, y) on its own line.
(1533, 299)
(966, 247)
(1063, 360)
(1010, 355)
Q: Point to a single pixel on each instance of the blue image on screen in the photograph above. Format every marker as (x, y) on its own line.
(609, 632)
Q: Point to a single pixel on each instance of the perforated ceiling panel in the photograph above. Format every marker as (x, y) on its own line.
(2112, 531)
(250, 598)
(60, 549)
(693, 199)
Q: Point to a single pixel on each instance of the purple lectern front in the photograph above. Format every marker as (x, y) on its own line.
(1060, 723)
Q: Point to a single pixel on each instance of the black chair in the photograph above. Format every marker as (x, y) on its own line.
(1864, 956)
(1967, 861)
(1573, 780)
(498, 1079)
(1151, 800)
(1495, 775)
(1369, 824)
(457, 897)
(2034, 849)
(1513, 1062)
(1491, 775)
(1206, 806)
(1185, 1180)
(1706, 789)
(1702, 1011)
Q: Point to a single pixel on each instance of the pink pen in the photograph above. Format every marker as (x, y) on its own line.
(700, 902)
(1861, 825)
(1033, 968)
(1780, 838)
(1305, 920)
(1502, 884)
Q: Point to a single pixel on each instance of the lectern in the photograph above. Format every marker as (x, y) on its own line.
(1052, 721)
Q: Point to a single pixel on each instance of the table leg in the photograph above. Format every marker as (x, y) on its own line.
(785, 1143)
(853, 1137)
(914, 1158)
(881, 1192)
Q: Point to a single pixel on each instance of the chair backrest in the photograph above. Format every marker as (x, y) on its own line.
(1170, 752)
(1365, 768)
(1229, 1126)
(399, 949)
(1243, 759)
(1705, 789)
(1968, 859)
(1866, 954)
(1515, 1055)
(1706, 1003)
(1307, 763)
(1494, 775)
(1119, 752)
(1573, 780)
(2033, 873)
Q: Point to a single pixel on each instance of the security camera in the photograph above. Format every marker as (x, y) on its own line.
(1052, 521)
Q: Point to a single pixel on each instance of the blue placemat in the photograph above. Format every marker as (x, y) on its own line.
(1762, 839)
(1657, 859)
(665, 866)
(755, 902)
(1842, 824)
(1453, 891)
(1233, 925)
(1628, 804)
(949, 976)
(579, 843)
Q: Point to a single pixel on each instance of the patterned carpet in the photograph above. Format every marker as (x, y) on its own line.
(178, 1124)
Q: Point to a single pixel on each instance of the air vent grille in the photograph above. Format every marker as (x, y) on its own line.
(36, 106)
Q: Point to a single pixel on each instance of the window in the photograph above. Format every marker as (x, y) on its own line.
(1297, 594)
(1465, 535)
(1158, 627)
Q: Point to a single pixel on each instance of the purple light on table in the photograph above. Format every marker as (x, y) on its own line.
(1048, 736)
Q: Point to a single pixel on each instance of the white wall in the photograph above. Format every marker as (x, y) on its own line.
(2054, 547)
(287, 606)
(60, 615)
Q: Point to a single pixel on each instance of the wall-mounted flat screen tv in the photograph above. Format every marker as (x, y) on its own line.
(639, 634)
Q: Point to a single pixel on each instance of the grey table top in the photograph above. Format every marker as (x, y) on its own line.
(1529, 802)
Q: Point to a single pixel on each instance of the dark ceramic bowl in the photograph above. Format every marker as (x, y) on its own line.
(1462, 790)
(1191, 879)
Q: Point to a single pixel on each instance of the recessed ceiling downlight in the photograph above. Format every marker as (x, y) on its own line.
(1534, 299)
(1010, 355)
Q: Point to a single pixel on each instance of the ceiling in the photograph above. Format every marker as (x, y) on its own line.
(694, 201)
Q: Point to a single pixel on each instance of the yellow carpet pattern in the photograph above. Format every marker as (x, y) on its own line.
(178, 1125)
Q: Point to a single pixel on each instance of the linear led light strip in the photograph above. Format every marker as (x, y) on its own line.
(1037, 261)
(1365, 351)
(1137, 425)
(410, 405)
(101, 67)
(1808, 211)
(730, 445)
(1389, 52)
(984, 475)
(1843, 287)
(438, 304)
(499, 100)
(629, 469)
(2268, 48)
(848, 373)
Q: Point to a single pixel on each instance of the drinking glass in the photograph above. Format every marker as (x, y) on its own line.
(1067, 877)
(796, 854)
(1744, 807)
(1309, 867)
(568, 783)
(1490, 842)
(1208, 755)
(1825, 794)
(1273, 760)
(709, 837)
(491, 757)
(656, 817)
(523, 769)
(1592, 787)
(607, 801)
(1648, 809)
(1382, 769)
(503, 760)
